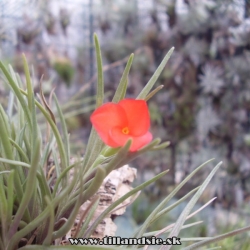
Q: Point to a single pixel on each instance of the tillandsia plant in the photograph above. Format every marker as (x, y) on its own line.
(39, 201)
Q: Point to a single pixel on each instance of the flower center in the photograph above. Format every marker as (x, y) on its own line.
(125, 130)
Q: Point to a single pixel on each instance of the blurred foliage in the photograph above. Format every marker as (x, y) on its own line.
(238, 241)
(64, 69)
(35, 33)
(212, 222)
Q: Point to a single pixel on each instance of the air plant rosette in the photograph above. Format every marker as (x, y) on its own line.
(42, 191)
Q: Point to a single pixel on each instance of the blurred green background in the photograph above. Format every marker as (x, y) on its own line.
(203, 109)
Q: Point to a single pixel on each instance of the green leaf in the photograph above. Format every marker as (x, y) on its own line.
(175, 204)
(152, 216)
(28, 83)
(89, 212)
(22, 154)
(5, 172)
(179, 223)
(168, 228)
(64, 131)
(73, 213)
(17, 92)
(198, 245)
(95, 144)
(161, 146)
(4, 135)
(132, 155)
(116, 161)
(32, 107)
(57, 166)
(3, 209)
(36, 222)
(46, 152)
(46, 105)
(10, 107)
(77, 164)
(43, 189)
(90, 147)
(55, 131)
(100, 85)
(95, 152)
(122, 87)
(61, 176)
(29, 190)
(155, 76)
(152, 93)
(8, 152)
(95, 184)
(159, 232)
(48, 239)
(16, 163)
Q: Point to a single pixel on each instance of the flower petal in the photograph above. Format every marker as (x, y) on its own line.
(137, 143)
(137, 115)
(106, 117)
(110, 142)
(140, 141)
(118, 137)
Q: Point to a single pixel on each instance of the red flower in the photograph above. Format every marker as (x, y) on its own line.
(116, 123)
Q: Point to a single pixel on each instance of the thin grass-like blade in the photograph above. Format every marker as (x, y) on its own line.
(100, 85)
(88, 213)
(155, 76)
(198, 245)
(152, 216)
(179, 223)
(64, 131)
(48, 239)
(17, 92)
(29, 189)
(122, 87)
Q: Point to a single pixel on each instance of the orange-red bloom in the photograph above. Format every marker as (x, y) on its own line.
(117, 122)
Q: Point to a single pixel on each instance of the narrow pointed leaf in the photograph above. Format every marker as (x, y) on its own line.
(190, 205)
(198, 245)
(122, 87)
(64, 131)
(100, 87)
(155, 76)
(151, 217)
